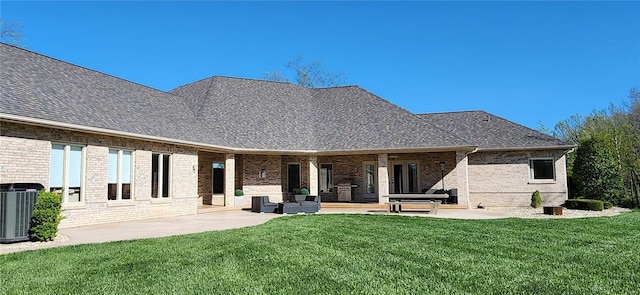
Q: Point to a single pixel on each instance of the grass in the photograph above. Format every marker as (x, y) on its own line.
(350, 254)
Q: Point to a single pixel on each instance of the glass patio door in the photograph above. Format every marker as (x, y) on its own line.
(403, 178)
(370, 181)
(218, 178)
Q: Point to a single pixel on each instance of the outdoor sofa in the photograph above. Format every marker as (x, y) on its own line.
(306, 204)
(261, 204)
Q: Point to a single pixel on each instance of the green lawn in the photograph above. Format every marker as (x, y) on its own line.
(350, 254)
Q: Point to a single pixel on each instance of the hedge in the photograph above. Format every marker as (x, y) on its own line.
(584, 204)
(46, 216)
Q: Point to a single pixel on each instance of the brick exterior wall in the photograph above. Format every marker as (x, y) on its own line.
(494, 178)
(26, 153)
(501, 179)
(24, 160)
(347, 169)
(253, 185)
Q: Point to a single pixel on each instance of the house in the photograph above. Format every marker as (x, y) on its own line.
(123, 151)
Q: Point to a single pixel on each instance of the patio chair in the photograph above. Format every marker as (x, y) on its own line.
(261, 204)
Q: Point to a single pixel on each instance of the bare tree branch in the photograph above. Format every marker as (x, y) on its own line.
(11, 33)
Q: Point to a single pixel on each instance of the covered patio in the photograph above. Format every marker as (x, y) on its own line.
(337, 178)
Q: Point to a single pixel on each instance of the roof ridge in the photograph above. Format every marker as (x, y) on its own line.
(526, 127)
(264, 80)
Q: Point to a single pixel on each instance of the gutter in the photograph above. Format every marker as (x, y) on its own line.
(551, 147)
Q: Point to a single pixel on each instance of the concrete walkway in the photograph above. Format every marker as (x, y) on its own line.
(170, 226)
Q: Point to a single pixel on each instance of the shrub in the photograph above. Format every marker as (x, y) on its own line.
(596, 170)
(304, 191)
(584, 204)
(607, 204)
(536, 200)
(238, 193)
(628, 203)
(46, 216)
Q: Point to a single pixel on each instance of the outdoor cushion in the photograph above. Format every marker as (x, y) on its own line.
(262, 204)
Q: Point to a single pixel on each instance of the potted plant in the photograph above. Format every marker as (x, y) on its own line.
(238, 200)
(301, 194)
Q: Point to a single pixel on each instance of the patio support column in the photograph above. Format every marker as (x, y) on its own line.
(462, 167)
(383, 178)
(229, 178)
(313, 175)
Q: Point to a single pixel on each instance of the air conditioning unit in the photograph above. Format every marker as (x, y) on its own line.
(16, 208)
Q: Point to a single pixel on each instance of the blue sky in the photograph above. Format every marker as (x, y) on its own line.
(529, 62)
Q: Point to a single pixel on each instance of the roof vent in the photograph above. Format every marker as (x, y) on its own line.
(487, 119)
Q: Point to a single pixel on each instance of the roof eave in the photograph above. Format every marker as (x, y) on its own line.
(223, 149)
(527, 148)
(109, 132)
(404, 150)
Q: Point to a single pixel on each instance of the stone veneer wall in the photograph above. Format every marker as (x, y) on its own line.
(501, 179)
(26, 158)
(253, 185)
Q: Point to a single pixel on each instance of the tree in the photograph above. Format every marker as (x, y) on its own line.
(596, 171)
(615, 130)
(11, 33)
(310, 75)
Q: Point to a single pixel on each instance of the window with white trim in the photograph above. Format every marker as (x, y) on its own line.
(370, 179)
(326, 178)
(66, 172)
(541, 169)
(160, 171)
(120, 170)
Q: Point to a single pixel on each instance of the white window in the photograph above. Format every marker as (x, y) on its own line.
(326, 178)
(120, 167)
(542, 169)
(160, 171)
(370, 178)
(66, 172)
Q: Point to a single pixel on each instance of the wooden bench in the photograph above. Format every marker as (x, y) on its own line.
(396, 206)
(403, 197)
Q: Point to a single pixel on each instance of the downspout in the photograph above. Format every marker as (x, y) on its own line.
(466, 171)
(566, 185)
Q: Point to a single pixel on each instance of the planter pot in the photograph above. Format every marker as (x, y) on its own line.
(238, 201)
(552, 210)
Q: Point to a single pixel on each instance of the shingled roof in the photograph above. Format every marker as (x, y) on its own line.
(238, 114)
(272, 115)
(40, 87)
(490, 132)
